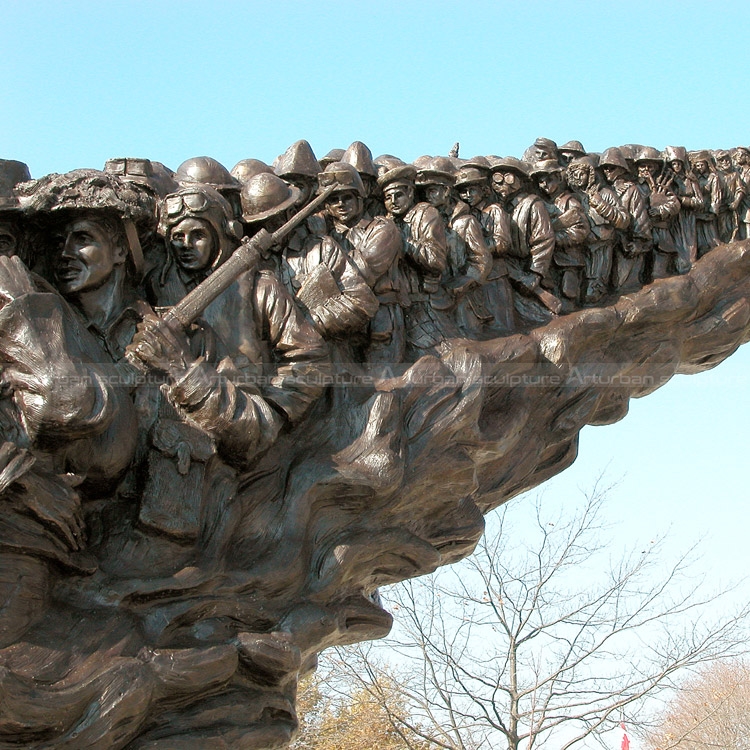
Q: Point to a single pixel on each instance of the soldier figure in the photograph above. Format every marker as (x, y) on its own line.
(706, 216)
(244, 169)
(204, 170)
(742, 156)
(299, 167)
(360, 157)
(569, 151)
(329, 289)
(688, 191)
(606, 217)
(571, 229)
(469, 260)
(542, 149)
(732, 195)
(663, 208)
(374, 246)
(250, 368)
(635, 243)
(425, 255)
(532, 239)
(11, 238)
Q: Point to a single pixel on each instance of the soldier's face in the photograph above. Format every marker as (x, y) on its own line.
(612, 172)
(505, 184)
(701, 166)
(305, 185)
(542, 153)
(471, 194)
(647, 169)
(193, 244)
(549, 183)
(677, 166)
(578, 176)
(398, 199)
(88, 256)
(437, 195)
(743, 157)
(8, 239)
(345, 206)
(724, 163)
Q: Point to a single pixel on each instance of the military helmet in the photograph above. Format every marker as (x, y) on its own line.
(648, 154)
(333, 155)
(479, 162)
(360, 157)
(152, 175)
(546, 166)
(437, 170)
(573, 147)
(298, 159)
(204, 170)
(266, 195)
(92, 191)
(510, 164)
(420, 162)
(386, 163)
(675, 153)
(244, 169)
(613, 157)
(11, 174)
(343, 176)
(471, 176)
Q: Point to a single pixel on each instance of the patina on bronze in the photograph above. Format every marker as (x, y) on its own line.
(234, 405)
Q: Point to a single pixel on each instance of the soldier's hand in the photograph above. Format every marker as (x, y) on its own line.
(653, 213)
(161, 347)
(15, 279)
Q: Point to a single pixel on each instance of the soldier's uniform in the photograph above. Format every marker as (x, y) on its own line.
(424, 262)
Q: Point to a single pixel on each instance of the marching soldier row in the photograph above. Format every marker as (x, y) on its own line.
(386, 262)
(401, 257)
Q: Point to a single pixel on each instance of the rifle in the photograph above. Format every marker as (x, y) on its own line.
(244, 258)
(526, 283)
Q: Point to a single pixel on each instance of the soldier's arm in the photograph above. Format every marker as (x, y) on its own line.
(479, 257)
(607, 205)
(573, 226)
(380, 248)
(501, 235)
(428, 247)
(244, 416)
(353, 305)
(670, 207)
(541, 239)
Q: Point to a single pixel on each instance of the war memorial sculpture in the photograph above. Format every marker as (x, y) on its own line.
(234, 404)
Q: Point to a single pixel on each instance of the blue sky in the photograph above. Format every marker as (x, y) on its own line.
(86, 81)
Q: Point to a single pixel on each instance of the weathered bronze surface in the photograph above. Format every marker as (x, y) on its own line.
(223, 430)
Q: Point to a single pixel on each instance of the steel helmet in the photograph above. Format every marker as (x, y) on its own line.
(204, 170)
(11, 174)
(614, 158)
(266, 195)
(343, 176)
(298, 159)
(244, 169)
(360, 157)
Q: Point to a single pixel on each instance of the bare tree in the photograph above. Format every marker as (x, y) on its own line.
(711, 710)
(545, 637)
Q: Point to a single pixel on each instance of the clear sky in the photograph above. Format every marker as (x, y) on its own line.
(85, 81)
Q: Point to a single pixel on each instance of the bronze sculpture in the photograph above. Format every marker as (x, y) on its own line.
(227, 419)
